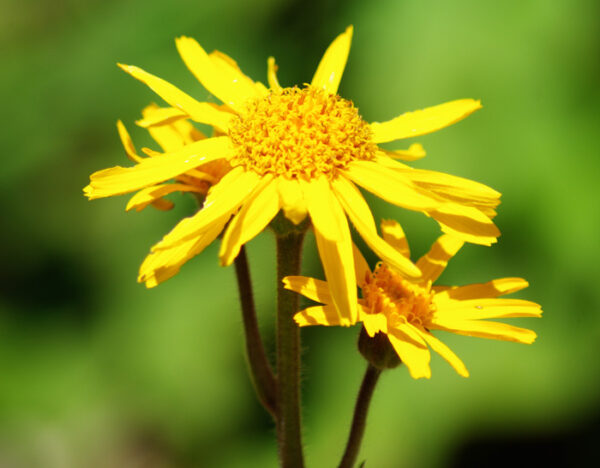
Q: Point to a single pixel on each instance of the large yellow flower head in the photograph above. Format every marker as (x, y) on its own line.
(406, 311)
(301, 151)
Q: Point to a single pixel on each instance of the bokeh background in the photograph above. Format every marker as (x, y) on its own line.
(96, 371)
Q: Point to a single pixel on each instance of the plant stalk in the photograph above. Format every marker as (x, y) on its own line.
(260, 368)
(359, 420)
(289, 429)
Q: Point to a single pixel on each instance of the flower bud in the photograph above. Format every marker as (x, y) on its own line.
(378, 350)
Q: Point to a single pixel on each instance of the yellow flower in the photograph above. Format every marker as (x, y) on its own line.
(406, 312)
(299, 150)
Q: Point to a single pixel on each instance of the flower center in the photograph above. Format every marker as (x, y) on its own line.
(385, 291)
(297, 132)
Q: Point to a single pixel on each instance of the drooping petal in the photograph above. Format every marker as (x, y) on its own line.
(466, 223)
(257, 212)
(443, 350)
(338, 264)
(491, 289)
(359, 213)
(312, 288)
(272, 74)
(318, 315)
(414, 152)
(484, 329)
(151, 171)
(222, 200)
(161, 116)
(330, 69)
(458, 186)
(146, 196)
(415, 357)
(128, 143)
(160, 265)
(394, 235)
(226, 82)
(291, 199)
(433, 263)
(484, 308)
(198, 111)
(421, 122)
(390, 186)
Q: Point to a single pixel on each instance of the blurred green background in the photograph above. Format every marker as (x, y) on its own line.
(97, 371)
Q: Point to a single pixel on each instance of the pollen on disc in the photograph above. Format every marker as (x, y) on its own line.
(300, 133)
(385, 291)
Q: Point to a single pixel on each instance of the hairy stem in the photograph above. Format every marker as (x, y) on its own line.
(359, 419)
(289, 432)
(260, 369)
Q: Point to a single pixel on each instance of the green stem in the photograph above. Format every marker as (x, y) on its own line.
(260, 369)
(359, 419)
(289, 434)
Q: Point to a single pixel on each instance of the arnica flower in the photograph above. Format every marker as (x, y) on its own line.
(406, 311)
(299, 150)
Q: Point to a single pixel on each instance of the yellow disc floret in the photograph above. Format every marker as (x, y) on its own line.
(297, 133)
(385, 291)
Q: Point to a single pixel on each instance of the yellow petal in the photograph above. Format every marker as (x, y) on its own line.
(161, 265)
(330, 69)
(494, 288)
(484, 308)
(361, 267)
(484, 329)
(466, 223)
(291, 199)
(174, 135)
(150, 171)
(446, 353)
(229, 67)
(359, 213)
(272, 74)
(221, 79)
(415, 357)
(414, 152)
(127, 143)
(433, 263)
(150, 194)
(318, 315)
(324, 209)
(390, 186)
(198, 111)
(162, 204)
(161, 116)
(338, 264)
(458, 186)
(222, 200)
(312, 288)
(394, 235)
(257, 212)
(374, 323)
(421, 122)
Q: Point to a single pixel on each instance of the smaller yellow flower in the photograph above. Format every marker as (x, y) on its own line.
(406, 312)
